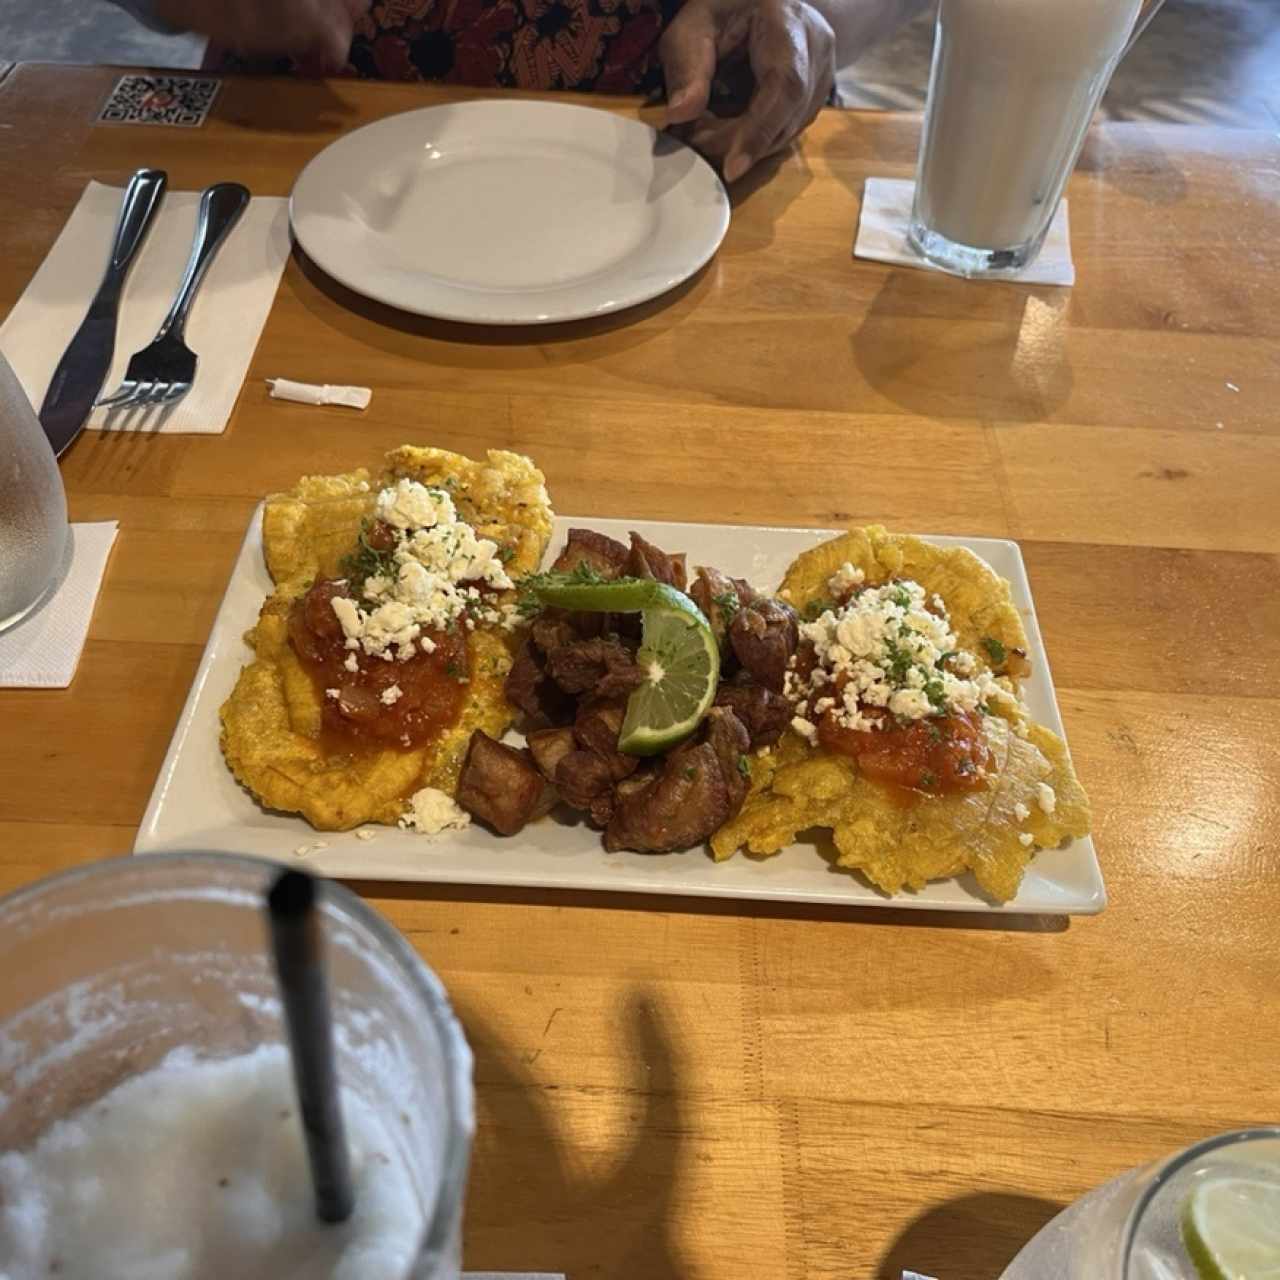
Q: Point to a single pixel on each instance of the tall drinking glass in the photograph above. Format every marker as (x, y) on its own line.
(147, 1123)
(1013, 87)
(34, 534)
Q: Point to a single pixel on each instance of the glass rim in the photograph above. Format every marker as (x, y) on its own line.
(427, 987)
(1174, 1165)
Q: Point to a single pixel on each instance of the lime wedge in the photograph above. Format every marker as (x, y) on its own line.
(1231, 1227)
(678, 649)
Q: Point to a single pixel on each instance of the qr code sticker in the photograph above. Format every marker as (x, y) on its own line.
(182, 101)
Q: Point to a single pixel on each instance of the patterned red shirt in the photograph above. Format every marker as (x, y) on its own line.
(609, 46)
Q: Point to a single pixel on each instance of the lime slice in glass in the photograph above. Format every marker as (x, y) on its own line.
(678, 650)
(1231, 1227)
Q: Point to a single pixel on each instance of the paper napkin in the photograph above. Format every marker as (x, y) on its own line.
(225, 323)
(882, 235)
(43, 650)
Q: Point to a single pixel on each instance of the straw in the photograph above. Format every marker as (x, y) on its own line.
(300, 969)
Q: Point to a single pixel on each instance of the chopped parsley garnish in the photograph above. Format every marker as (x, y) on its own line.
(453, 670)
(902, 598)
(744, 767)
(506, 554)
(997, 651)
(950, 653)
(728, 602)
(816, 608)
(581, 575)
(689, 772)
(367, 562)
(900, 661)
(933, 691)
(935, 734)
(928, 780)
(985, 708)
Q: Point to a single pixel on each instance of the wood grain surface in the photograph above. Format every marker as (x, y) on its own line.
(699, 1091)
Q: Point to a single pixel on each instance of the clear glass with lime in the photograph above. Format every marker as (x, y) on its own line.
(1209, 1212)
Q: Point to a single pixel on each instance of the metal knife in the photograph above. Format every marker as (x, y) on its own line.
(87, 360)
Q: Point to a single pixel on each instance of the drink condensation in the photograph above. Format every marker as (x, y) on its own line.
(34, 534)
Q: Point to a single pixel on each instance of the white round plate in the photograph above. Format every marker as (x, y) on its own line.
(509, 212)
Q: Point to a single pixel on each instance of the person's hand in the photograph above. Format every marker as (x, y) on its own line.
(315, 30)
(790, 48)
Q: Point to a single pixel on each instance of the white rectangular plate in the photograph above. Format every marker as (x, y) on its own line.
(197, 804)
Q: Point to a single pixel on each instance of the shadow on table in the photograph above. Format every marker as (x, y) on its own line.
(971, 1238)
(308, 105)
(1133, 164)
(767, 191)
(899, 917)
(530, 1204)
(944, 347)
(520, 345)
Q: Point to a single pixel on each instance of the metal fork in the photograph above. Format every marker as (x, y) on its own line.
(163, 372)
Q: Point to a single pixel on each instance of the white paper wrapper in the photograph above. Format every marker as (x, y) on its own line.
(309, 393)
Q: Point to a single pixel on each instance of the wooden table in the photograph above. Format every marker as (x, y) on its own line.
(675, 1090)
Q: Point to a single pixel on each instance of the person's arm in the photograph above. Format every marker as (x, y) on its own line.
(299, 28)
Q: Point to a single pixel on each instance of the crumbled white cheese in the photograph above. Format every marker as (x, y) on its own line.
(348, 617)
(1046, 797)
(805, 728)
(391, 695)
(410, 505)
(365, 834)
(844, 579)
(1021, 812)
(352, 663)
(1025, 839)
(432, 578)
(910, 704)
(335, 694)
(431, 811)
(885, 648)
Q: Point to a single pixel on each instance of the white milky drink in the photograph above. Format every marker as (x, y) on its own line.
(197, 1170)
(1013, 87)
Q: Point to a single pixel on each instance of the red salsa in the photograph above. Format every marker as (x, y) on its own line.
(432, 686)
(938, 755)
